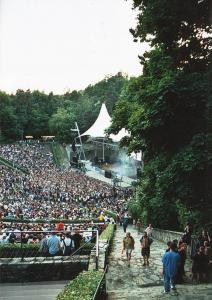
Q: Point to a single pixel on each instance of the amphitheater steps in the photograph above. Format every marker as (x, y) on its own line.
(139, 282)
(47, 290)
(185, 292)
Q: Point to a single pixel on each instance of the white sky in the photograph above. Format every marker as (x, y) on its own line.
(56, 45)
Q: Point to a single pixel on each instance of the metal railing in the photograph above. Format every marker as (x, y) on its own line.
(101, 291)
(22, 250)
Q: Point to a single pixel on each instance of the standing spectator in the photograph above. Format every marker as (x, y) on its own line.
(145, 247)
(208, 250)
(77, 238)
(149, 230)
(53, 244)
(170, 260)
(204, 237)
(168, 246)
(187, 234)
(200, 265)
(60, 226)
(180, 270)
(128, 245)
(125, 222)
(67, 245)
(44, 244)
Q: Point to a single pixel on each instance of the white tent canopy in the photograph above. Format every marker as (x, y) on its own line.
(103, 122)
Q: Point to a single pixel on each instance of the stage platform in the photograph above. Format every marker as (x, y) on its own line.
(99, 174)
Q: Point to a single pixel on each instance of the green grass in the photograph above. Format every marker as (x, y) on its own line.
(60, 155)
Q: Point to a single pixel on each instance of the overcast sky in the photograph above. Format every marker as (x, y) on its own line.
(56, 45)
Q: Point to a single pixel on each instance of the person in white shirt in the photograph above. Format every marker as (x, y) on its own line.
(149, 230)
(67, 244)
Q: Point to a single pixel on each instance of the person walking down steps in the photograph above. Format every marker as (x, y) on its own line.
(145, 241)
(128, 246)
(125, 222)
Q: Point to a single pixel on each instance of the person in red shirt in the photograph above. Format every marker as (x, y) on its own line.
(60, 226)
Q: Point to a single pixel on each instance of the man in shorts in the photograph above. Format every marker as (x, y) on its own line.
(128, 245)
(145, 241)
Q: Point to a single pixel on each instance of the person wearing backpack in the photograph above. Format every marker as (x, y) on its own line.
(67, 245)
(145, 241)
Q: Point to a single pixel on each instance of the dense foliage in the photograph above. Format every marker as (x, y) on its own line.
(167, 111)
(108, 233)
(35, 113)
(83, 287)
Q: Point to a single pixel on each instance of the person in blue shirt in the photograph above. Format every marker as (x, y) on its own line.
(53, 244)
(170, 260)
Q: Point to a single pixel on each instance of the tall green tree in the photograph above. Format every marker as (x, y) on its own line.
(8, 121)
(61, 123)
(166, 110)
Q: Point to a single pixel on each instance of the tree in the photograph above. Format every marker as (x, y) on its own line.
(166, 110)
(61, 123)
(8, 121)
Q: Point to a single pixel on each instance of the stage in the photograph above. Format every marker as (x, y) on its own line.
(117, 180)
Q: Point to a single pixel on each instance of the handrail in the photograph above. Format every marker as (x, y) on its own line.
(13, 166)
(74, 253)
(20, 233)
(99, 284)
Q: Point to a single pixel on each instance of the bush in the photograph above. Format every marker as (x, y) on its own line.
(18, 246)
(30, 250)
(108, 233)
(110, 214)
(83, 287)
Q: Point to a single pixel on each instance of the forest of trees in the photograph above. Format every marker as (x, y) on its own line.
(167, 110)
(34, 113)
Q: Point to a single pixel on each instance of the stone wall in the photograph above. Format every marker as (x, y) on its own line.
(42, 270)
(166, 235)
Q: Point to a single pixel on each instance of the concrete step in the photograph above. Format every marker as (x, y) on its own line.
(33, 290)
(199, 292)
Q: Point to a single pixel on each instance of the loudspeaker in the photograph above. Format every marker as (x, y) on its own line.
(108, 174)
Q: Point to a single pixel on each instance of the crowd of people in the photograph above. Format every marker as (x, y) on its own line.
(48, 192)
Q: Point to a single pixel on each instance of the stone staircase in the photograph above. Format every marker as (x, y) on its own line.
(185, 292)
(139, 282)
(47, 290)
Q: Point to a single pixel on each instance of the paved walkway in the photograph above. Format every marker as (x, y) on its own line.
(144, 282)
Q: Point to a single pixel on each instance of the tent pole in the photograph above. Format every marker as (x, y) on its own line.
(103, 150)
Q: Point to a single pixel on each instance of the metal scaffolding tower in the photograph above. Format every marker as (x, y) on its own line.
(78, 143)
